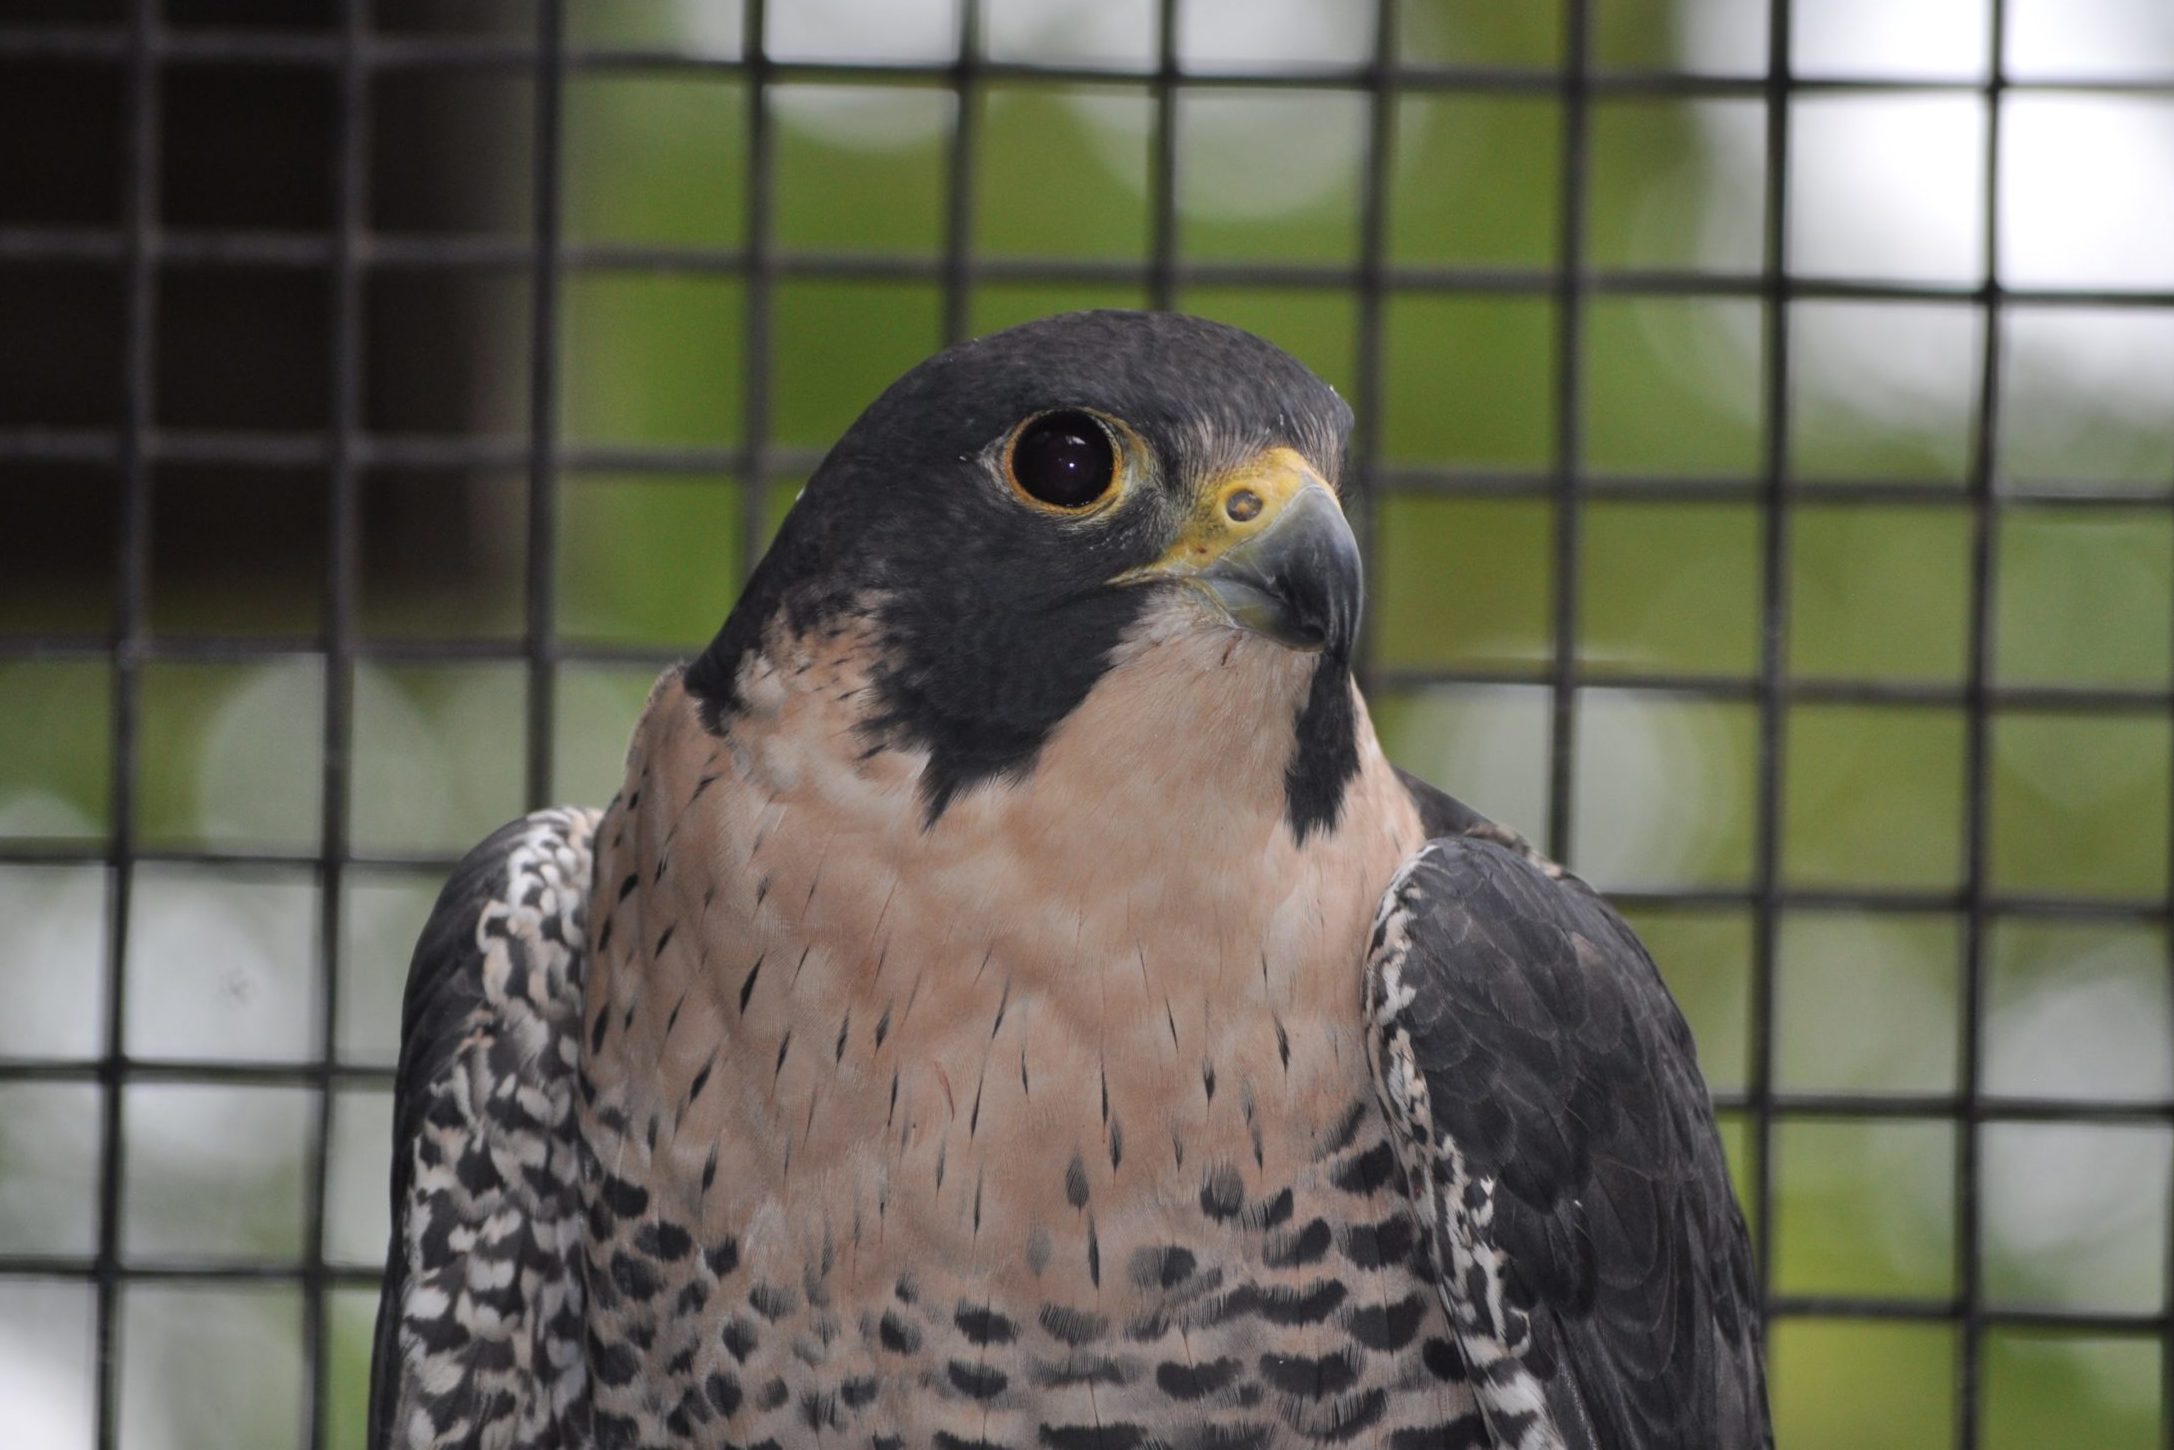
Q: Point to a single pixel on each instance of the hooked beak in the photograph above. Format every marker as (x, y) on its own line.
(1269, 547)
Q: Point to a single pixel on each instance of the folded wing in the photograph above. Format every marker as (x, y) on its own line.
(1559, 1143)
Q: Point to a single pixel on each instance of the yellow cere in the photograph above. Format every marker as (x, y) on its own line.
(1235, 507)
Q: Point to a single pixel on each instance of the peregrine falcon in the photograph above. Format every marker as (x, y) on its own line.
(1013, 1000)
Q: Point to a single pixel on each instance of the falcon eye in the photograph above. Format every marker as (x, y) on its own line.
(1065, 460)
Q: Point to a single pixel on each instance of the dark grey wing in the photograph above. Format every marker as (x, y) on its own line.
(1558, 1142)
(479, 1330)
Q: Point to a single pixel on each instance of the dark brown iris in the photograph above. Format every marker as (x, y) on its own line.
(1064, 459)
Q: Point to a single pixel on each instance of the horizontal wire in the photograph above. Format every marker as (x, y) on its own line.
(34, 852)
(356, 251)
(508, 453)
(417, 452)
(197, 1072)
(1951, 1107)
(233, 247)
(209, 649)
(1808, 1306)
(207, 1272)
(209, 45)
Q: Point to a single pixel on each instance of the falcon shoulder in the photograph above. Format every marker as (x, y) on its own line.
(479, 1326)
(1558, 1142)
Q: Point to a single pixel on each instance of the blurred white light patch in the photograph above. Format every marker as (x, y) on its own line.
(2078, 1013)
(2087, 393)
(1221, 35)
(258, 778)
(713, 29)
(47, 1390)
(893, 32)
(1729, 224)
(1661, 792)
(1484, 744)
(1212, 35)
(2090, 39)
(382, 916)
(1918, 364)
(1721, 37)
(50, 1135)
(1223, 143)
(52, 967)
(594, 704)
(2075, 1214)
(1252, 155)
(1317, 149)
(1892, 188)
(1832, 965)
(2119, 1019)
(205, 1366)
(357, 1216)
(2087, 192)
(1316, 140)
(1891, 39)
(214, 1171)
(1104, 34)
(848, 32)
(31, 813)
(43, 1406)
(1886, 188)
(432, 767)
(219, 965)
(865, 118)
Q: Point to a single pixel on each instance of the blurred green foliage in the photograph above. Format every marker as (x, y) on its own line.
(1671, 388)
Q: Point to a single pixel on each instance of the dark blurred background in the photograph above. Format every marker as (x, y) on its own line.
(1829, 493)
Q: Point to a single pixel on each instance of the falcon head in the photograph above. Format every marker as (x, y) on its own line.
(1015, 516)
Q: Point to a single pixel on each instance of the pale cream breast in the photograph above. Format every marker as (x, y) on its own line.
(996, 1058)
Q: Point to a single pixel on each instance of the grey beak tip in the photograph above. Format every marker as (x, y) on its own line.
(1300, 581)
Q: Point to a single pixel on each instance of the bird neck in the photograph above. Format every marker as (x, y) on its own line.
(1155, 826)
(814, 972)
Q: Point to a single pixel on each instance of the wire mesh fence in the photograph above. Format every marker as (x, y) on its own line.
(1790, 551)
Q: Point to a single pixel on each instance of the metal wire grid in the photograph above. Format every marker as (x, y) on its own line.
(349, 251)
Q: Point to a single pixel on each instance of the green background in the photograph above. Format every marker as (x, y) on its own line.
(1673, 390)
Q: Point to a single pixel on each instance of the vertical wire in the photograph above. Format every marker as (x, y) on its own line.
(959, 198)
(1162, 164)
(2165, 1330)
(761, 270)
(2166, 1284)
(139, 364)
(1976, 748)
(350, 170)
(1362, 500)
(1569, 388)
(547, 260)
(1773, 644)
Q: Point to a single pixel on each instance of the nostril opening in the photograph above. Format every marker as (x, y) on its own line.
(1243, 506)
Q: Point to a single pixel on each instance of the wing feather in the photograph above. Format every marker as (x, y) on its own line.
(479, 1325)
(1559, 1142)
